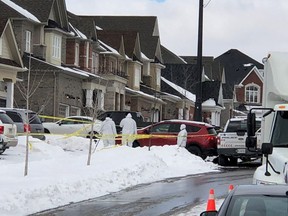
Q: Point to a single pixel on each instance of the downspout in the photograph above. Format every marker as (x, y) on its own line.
(54, 94)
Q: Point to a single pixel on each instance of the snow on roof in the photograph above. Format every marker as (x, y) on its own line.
(171, 95)
(144, 57)
(144, 94)
(210, 102)
(105, 46)
(181, 90)
(72, 70)
(79, 33)
(98, 28)
(21, 10)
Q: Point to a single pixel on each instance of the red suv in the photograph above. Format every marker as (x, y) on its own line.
(201, 140)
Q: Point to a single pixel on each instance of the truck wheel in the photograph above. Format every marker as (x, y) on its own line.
(233, 161)
(222, 160)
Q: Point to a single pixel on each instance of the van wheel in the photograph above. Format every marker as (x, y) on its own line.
(196, 151)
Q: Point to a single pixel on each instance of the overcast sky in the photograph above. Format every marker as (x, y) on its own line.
(254, 27)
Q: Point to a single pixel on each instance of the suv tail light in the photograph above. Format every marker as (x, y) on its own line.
(27, 128)
(1, 129)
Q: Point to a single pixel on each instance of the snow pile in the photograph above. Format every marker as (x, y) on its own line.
(58, 173)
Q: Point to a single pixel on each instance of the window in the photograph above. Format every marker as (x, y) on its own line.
(28, 41)
(87, 55)
(76, 54)
(63, 110)
(56, 49)
(95, 63)
(252, 94)
(161, 128)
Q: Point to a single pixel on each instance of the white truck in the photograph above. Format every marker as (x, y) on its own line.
(231, 142)
(274, 126)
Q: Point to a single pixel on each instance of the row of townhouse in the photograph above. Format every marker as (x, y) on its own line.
(68, 66)
(61, 64)
(75, 65)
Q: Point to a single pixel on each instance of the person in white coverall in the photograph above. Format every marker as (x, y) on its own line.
(108, 132)
(182, 136)
(129, 130)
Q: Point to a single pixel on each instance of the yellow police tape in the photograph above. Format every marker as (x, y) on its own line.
(106, 136)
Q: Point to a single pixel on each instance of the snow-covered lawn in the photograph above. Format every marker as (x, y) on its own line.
(58, 173)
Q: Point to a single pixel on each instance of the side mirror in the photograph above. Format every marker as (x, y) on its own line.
(267, 148)
(251, 124)
(251, 142)
(209, 213)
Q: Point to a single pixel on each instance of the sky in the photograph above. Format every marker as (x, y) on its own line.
(255, 27)
(58, 173)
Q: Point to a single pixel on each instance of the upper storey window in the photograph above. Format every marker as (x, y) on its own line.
(252, 93)
(28, 41)
(56, 51)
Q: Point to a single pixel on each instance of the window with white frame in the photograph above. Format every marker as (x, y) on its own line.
(77, 54)
(56, 46)
(95, 62)
(87, 54)
(252, 93)
(28, 41)
(64, 110)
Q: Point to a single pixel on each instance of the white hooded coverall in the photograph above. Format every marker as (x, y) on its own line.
(108, 132)
(129, 130)
(182, 136)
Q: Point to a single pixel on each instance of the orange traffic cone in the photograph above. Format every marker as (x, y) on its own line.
(231, 187)
(211, 206)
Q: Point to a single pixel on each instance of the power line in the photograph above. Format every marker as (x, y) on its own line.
(204, 6)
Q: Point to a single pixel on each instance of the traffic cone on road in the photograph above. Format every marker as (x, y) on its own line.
(231, 187)
(211, 206)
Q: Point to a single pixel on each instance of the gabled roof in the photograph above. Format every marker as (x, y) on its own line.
(253, 70)
(171, 58)
(85, 25)
(114, 39)
(43, 9)
(212, 68)
(210, 89)
(9, 9)
(40, 8)
(236, 65)
(12, 58)
(147, 27)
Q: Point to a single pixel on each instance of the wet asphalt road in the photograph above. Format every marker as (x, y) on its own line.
(160, 198)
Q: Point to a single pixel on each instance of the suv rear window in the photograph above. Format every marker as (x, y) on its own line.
(33, 118)
(5, 119)
(14, 116)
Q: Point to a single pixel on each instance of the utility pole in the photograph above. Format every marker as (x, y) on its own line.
(198, 103)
